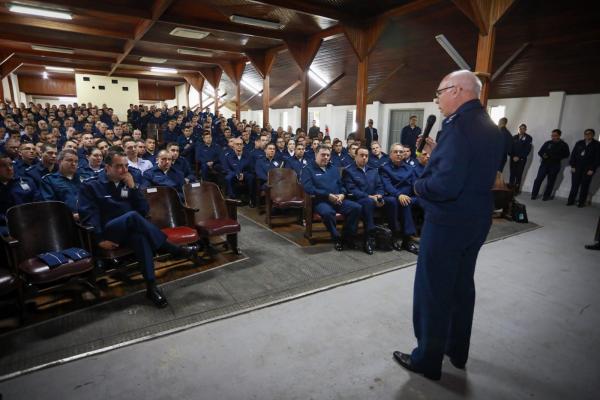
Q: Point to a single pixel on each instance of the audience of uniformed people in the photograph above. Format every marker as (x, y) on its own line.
(77, 154)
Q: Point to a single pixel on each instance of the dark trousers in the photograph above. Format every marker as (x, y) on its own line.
(503, 163)
(133, 230)
(403, 213)
(232, 184)
(349, 209)
(516, 173)
(580, 179)
(549, 170)
(444, 292)
(368, 211)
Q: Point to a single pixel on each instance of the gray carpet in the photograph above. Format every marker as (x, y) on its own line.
(273, 271)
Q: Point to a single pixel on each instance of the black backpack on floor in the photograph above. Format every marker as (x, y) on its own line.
(519, 212)
(383, 238)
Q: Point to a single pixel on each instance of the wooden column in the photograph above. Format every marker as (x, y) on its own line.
(234, 71)
(213, 76)
(266, 94)
(483, 66)
(362, 92)
(238, 102)
(216, 102)
(304, 101)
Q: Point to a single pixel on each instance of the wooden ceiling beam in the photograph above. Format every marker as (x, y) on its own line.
(262, 61)
(223, 26)
(408, 8)
(326, 87)
(303, 51)
(285, 92)
(510, 61)
(108, 8)
(45, 41)
(9, 66)
(6, 55)
(75, 66)
(6, 19)
(212, 75)
(364, 38)
(383, 82)
(195, 80)
(484, 14)
(305, 7)
(250, 98)
(234, 70)
(158, 8)
(63, 57)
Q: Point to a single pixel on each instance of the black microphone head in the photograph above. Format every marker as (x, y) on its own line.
(431, 119)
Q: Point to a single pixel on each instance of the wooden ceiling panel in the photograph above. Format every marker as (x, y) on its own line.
(360, 9)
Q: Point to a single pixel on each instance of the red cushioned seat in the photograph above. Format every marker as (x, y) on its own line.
(38, 272)
(294, 202)
(181, 235)
(221, 226)
(7, 282)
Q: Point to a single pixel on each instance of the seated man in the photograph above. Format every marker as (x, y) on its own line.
(398, 178)
(322, 180)
(163, 175)
(63, 185)
(187, 145)
(87, 144)
(46, 166)
(363, 182)
(28, 158)
(298, 161)
(115, 207)
(267, 163)
(339, 157)
(237, 171)
(14, 190)
(377, 158)
(207, 155)
(180, 164)
(134, 161)
(150, 153)
(94, 165)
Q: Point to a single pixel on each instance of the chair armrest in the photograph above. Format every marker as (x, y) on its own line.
(11, 246)
(85, 234)
(10, 241)
(189, 214)
(233, 202)
(232, 205)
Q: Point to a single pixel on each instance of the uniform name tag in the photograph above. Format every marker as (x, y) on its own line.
(196, 184)
(151, 190)
(124, 193)
(583, 153)
(25, 186)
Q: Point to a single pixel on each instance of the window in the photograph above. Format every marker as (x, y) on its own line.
(350, 122)
(101, 87)
(115, 81)
(86, 78)
(313, 116)
(496, 112)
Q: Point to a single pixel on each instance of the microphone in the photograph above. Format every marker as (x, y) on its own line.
(430, 121)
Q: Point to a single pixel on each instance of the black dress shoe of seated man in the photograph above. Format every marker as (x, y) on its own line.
(410, 246)
(405, 361)
(190, 252)
(338, 244)
(595, 246)
(156, 295)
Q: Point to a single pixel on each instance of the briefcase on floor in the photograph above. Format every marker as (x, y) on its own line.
(383, 238)
(519, 212)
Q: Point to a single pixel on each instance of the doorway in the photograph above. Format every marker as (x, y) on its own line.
(398, 120)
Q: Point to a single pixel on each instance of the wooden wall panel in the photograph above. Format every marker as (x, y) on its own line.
(149, 91)
(47, 87)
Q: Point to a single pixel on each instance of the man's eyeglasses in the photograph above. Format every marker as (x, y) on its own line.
(439, 91)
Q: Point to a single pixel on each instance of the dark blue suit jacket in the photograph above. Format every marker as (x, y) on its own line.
(361, 184)
(322, 183)
(456, 184)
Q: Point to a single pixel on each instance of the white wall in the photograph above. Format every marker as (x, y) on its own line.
(5, 88)
(113, 95)
(53, 101)
(181, 96)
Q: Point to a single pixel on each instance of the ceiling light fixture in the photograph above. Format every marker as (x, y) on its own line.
(40, 12)
(198, 53)
(60, 69)
(52, 49)
(189, 33)
(153, 60)
(261, 23)
(446, 45)
(44, 75)
(316, 77)
(163, 70)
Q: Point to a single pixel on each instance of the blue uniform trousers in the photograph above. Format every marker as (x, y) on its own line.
(390, 208)
(399, 211)
(516, 172)
(580, 178)
(349, 209)
(135, 231)
(444, 292)
(549, 170)
(231, 180)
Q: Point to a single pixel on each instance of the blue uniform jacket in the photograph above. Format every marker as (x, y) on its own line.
(189, 152)
(362, 184)
(255, 156)
(183, 166)
(18, 190)
(150, 157)
(378, 162)
(521, 147)
(20, 167)
(87, 172)
(322, 183)
(234, 166)
(339, 160)
(296, 164)
(36, 172)
(169, 136)
(206, 153)
(585, 157)
(455, 187)
(264, 165)
(101, 201)
(156, 177)
(398, 179)
(408, 137)
(58, 187)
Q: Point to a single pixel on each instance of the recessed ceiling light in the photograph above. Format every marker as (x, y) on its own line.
(316, 77)
(153, 60)
(60, 69)
(189, 33)
(40, 12)
(52, 49)
(199, 53)
(163, 70)
(261, 23)
(44, 75)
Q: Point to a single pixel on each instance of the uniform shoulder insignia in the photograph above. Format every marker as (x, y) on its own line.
(46, 175)
(91, 178)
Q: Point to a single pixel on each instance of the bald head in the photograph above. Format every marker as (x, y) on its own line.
(456, 89)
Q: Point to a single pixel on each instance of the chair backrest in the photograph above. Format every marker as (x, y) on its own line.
(41, 227)
(284, 184)
(166, 210)
(207, 198)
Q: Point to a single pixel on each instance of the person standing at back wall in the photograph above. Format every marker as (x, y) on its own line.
(520, 149)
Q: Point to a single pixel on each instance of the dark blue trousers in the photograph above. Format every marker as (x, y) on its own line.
(580, 179)
(398, 212)
(368, 211)
(444, 292)
(133, 230)
(231, 180)
(549, 170)
(516, 172)
(349, 209)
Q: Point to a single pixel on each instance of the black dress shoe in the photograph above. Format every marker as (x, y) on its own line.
(533, 197)
(396, 246)
(580, 205)
(457, 364)
(251, 204)
(410, 246)
(338, 244)
(595, 246)
(546, 198)
(405, 361)
(368, 247)
(570, 203)
(191, 252)
(156, 296)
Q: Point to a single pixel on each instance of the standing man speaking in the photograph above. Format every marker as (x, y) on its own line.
(455, 189)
